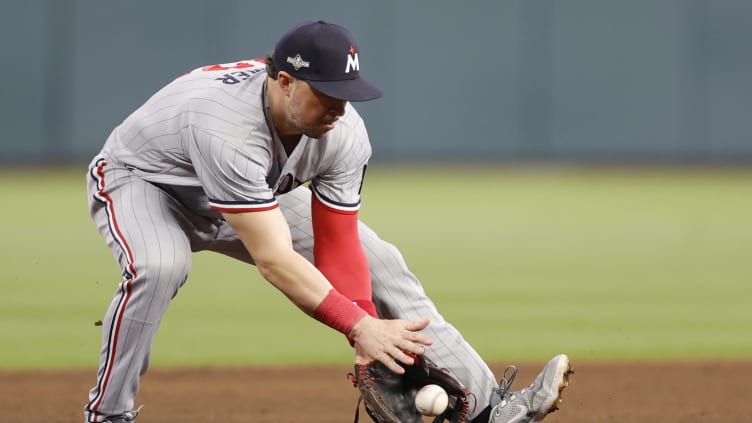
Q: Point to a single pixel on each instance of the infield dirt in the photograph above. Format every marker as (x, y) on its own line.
(705, 392)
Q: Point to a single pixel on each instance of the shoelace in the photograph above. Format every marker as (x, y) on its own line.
(505, 384)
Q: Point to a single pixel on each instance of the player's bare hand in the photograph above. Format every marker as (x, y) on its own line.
(389, 341)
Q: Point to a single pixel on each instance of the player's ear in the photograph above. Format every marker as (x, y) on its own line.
(285, 81)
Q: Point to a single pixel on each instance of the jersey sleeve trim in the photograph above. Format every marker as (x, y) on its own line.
(243, 206)
(346, 208)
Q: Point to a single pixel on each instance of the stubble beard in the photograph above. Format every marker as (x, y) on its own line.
(299, 125)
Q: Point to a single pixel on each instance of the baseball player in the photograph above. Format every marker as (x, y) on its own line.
(217, 160)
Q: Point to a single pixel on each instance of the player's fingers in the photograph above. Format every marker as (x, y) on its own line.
(416, 326)
(413, 342)
(417, 337)
(390, 363)
(399, 355)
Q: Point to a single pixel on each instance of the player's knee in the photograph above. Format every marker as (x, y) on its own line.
(163, 272)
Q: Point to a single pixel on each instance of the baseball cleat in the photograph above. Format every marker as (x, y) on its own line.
(533, 402)
(127, 417)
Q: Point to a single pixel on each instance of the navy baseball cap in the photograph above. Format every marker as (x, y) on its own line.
(325, 55)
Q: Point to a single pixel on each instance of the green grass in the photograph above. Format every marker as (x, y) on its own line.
(601, 263)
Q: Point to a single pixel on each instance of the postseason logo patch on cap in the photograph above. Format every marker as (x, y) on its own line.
(297, 62)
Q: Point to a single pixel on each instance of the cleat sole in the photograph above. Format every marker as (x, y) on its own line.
(565, 372)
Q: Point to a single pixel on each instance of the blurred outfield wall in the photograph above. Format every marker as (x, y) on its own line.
(657, 80)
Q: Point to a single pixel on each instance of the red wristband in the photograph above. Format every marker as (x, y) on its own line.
(337, 312)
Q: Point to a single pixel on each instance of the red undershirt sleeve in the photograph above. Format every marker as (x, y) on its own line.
(339, 255)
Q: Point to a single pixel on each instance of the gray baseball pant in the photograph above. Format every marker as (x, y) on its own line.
(152, 235)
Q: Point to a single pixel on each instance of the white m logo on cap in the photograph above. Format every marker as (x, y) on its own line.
(352, 63)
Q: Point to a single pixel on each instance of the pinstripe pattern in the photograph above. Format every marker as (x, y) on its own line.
(199, 131)
(122, 297)
(145, 229)
(199, 146)
(202, 145)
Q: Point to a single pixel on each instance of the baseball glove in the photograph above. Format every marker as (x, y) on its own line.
(390, 397)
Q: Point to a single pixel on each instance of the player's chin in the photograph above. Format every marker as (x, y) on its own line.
(319, 130)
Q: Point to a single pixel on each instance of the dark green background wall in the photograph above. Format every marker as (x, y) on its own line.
(637, 80)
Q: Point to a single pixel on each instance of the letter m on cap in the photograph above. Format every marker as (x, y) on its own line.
(352, 63)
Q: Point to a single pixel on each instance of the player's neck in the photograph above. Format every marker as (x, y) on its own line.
(289, 142)
(288, 134)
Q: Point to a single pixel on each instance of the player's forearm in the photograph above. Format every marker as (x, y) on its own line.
(296, 277)
(304, 285)
(267, 238)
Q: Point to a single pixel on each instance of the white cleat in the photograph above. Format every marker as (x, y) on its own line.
(537, 400)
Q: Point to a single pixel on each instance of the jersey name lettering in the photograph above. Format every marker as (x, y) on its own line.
(237, 76)
(244, 70)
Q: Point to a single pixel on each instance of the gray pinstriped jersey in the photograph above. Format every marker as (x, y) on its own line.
(205, 137)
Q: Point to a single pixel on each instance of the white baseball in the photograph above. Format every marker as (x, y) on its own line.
(431, 400)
